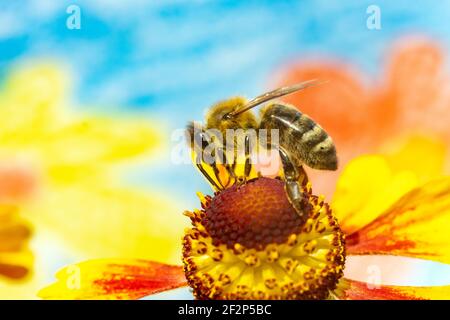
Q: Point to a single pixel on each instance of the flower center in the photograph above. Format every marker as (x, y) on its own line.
(249, 243)
(253, 215)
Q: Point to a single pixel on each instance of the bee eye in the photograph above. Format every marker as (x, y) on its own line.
(226, 116)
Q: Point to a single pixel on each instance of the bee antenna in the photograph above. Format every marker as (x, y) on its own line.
(276, 94)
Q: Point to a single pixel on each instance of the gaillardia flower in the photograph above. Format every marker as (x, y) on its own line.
(247, 242)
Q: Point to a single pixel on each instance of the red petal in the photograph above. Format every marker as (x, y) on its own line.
(114, 279)
(417, 225)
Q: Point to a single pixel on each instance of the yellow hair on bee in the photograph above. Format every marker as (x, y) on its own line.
(216, 117)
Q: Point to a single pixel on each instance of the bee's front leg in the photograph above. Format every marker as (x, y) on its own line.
(245, 171)
(293, 188)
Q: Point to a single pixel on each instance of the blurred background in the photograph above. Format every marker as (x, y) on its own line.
(92, 94)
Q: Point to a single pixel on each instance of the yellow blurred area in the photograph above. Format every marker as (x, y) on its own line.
(104, 222)
(36, 122)
(426, 155)
(65, 168)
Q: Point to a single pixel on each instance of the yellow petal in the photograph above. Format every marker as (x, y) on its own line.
(355, 290)
(114, 279)
(83, 148)
(38, 127)
(91, 144)
(417, 225)
(366, 188)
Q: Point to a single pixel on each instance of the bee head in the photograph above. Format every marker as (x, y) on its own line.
(220, 117)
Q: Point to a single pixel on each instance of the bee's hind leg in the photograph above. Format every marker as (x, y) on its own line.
(293, 176)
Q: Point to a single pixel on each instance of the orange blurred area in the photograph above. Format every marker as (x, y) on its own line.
(362, 113)
(16, 182)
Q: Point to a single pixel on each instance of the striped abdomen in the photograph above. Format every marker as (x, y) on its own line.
(299, 135)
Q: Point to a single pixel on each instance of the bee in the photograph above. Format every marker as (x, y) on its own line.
(301, 141)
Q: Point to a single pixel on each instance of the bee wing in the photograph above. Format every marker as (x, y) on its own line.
(279, 92)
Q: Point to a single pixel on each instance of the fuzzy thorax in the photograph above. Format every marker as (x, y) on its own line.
(217, 117)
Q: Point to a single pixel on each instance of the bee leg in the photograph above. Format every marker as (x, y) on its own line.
(199, 165)
(198, 142)
(292, 185)
(248, 165)
(224, 160)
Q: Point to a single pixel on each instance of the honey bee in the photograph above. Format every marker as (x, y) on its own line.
(301, 141)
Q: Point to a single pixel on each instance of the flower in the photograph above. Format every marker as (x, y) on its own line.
(392, 204)
(247, 242)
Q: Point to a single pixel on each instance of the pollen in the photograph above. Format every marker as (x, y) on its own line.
(248, 242)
